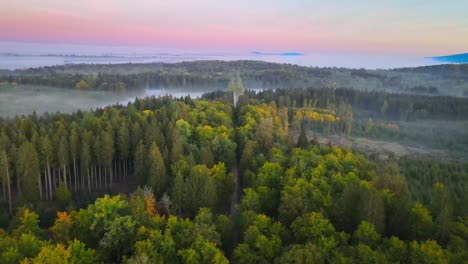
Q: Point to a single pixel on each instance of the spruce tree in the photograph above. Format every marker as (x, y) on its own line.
(28, 170)
(139, 164)
(157, 177)
(5, 175)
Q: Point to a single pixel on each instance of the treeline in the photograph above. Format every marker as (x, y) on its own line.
(379, 104)
(433, 80)
(300, 202)
(118, 82)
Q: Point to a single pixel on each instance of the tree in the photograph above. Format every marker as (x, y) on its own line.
(80, 254)
(303, 254)
(47, 154)
(421, 225)
(5, 175)
(203, 251)
(108, 150)
(178, 194)
(396, 250)
(62, 227)
(441, 209)
(206, 157)
(366, 234)
(224, 185)
(427, 252)
(200, 189)
(236, 87)
(85, 157)
(63, 157)
(302, 141)
(74, 151)
(157, 177)
(184, 129)
(262, 242)
(81, 85)
(140, 164)
(345, 113)
(28, 223)
(177, 149)
(123, 146)
(29, 172)
(118, 239)
(63, 195)
(264, 134)
(316, 229)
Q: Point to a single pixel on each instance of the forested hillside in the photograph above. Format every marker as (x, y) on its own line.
(430, 80)
(165, 180)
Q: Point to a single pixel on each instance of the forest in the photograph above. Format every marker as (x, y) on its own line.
(449, 80)
(182, 180)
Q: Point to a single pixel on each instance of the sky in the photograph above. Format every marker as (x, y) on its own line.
(426, 27)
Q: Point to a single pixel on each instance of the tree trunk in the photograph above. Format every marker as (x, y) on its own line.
(110, 177)
(50, 180)
(65, 176)
(18, 184)
(100, 178)
(89, 181)
(46, 187)
(39, 181)
(106, 181)
(74, 168)
(55, 178)
(9, 190)
(70, 178)
(94, 171)
(126, 169)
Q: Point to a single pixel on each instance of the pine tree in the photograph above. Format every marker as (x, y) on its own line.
(5, 175)
(302, 141)
(180, 170)
(123, 146)
(157, 177)
(63, 156)
(28, 170)
(139, 164)
(74, 151)
(47, 154)
(107, 152)
(85, 157)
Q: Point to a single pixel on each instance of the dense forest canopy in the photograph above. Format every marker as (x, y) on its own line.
(429, 80)
(177, 180)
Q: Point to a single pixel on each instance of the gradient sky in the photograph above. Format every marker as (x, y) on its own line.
(428, 27)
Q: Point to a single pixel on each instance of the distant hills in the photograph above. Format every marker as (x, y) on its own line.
(456, 58)
(278, 54)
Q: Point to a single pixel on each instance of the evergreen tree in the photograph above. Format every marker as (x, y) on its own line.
(236, 87)
(123, 146)
(302, 141)
(74, 151)
(47, 154)
(63, 157)
(157, 177)
(85, 159)
(5, 175)
(28, 170)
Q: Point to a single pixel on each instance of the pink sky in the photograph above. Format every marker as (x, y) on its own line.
(295, 25)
